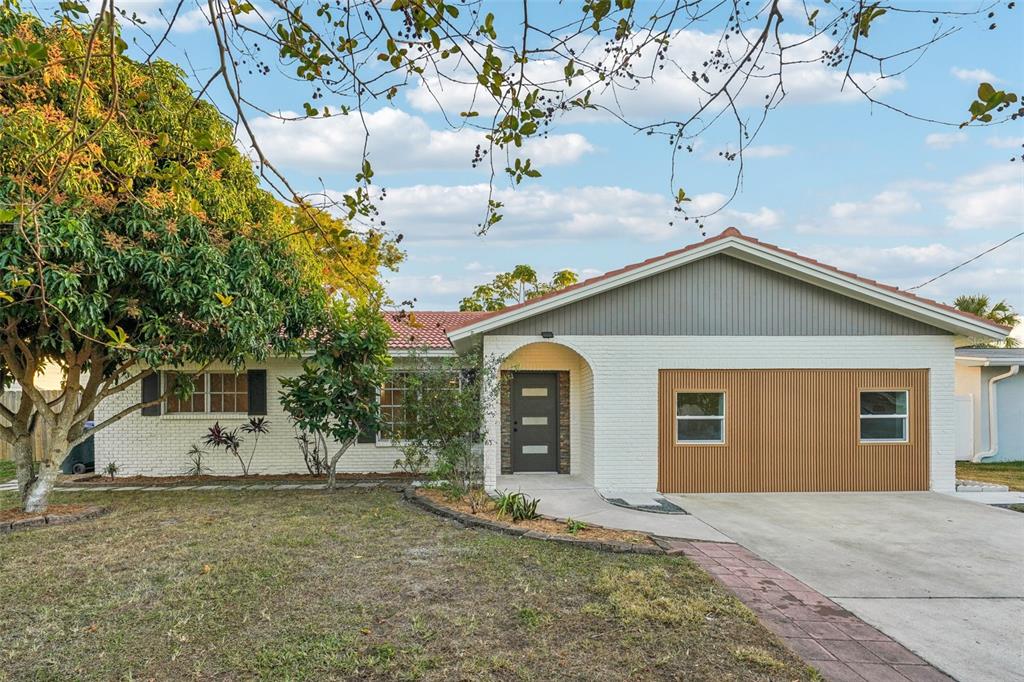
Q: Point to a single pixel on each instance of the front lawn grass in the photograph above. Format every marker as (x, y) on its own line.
(1004, 473)
(352, 585)
(7, 471)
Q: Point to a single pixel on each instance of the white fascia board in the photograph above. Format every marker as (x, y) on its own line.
(971, 362)
(753, 253)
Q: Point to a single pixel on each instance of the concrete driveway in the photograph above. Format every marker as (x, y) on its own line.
(942, 576)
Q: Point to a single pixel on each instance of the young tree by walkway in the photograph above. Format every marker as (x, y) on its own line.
(334, 399)
(133, 235)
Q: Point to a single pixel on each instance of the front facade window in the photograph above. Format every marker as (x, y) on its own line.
(700, 417)
(392, 406)
(214, 392)
(400, 387)
(884, 416)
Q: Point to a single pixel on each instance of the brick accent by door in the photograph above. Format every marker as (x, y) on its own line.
(793, 430)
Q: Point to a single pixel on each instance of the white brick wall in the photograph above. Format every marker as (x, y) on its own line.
(156, 446)
(625, 393)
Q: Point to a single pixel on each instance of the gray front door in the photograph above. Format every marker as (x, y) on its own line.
(534, 421)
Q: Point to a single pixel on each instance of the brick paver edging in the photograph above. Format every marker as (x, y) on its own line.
(836, 642)
(828, 637)
(51, 520)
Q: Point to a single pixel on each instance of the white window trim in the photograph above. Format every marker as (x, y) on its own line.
(905, 416)
(205, 414)
(721, 418)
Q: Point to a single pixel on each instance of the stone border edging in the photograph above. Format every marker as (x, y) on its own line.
(51, 520)
(470, 520)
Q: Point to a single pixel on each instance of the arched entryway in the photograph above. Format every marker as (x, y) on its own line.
(546, 412)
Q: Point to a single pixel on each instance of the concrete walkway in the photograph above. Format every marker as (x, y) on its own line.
(568, 497)
(940, 575)
(1004, 497)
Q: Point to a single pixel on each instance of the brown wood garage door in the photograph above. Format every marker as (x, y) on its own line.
(793, 430)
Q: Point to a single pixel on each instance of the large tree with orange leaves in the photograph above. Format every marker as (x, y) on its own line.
(133, 234)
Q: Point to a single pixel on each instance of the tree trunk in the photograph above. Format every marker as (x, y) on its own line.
(334, 462)
(37, 497)
(21, 450)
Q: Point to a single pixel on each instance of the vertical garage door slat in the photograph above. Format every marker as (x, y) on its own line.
(793, 430)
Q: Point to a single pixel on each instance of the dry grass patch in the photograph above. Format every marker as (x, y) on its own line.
(1010, 474)
(352, 585)
(759, 657)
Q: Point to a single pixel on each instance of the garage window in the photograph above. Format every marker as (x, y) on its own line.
(700, 418)
(883, 416)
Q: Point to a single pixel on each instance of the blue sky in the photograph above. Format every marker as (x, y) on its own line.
(829, 176)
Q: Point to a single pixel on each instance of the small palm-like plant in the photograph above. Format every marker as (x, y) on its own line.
(1000, 313)
(257, 426)
(219, 437)
(195, 456)
(111, 469)
(516, 506)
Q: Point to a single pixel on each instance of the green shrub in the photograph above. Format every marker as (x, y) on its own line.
(572, 526)
(516, 506)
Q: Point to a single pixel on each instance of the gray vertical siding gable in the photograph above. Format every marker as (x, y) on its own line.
(719, 296)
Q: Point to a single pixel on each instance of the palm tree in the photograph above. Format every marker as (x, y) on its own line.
(1000, 313)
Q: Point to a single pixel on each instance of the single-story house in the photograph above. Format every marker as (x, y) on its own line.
(730, 365)
(990, 404)
(155, 441)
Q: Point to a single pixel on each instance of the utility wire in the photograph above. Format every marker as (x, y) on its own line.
(969, 260)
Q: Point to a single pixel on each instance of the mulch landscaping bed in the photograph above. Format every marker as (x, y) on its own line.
(16, 519)
(97, 479)
(545, 528)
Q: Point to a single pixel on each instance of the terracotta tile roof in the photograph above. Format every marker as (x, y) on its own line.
(427, 328)
(733, 232)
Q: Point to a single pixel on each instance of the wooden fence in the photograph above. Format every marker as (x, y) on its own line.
(11, 400)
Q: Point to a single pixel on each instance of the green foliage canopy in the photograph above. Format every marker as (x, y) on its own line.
(1000, 312)
(508, 288)
(134, 234)
(335, 396)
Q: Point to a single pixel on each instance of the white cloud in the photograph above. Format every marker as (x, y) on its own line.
(1005, 142)
(883, 205)
(973, 75)
(673, 94)
(409, 287)
(945, 140)
(442, 213)
(767, 151)
(998, 274)
(191, 17)
(757, 151)
(991, 197)
(398, 141)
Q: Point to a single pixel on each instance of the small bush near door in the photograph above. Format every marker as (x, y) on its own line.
(440, 419)
(516, 506)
